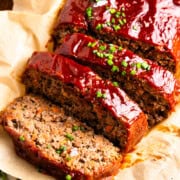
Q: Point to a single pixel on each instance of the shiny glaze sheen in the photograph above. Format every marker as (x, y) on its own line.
(156, 22)
(88, 83)
(73, 13)
(76, 45)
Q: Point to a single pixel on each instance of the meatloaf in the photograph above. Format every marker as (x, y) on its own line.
(60, 145)
(86, 96)
(149, 28)
(150, 85)
(71, 18)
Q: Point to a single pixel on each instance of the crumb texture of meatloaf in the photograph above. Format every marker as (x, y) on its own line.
(149, 28)
(58, 144)
(71, 18)
(86, 96)
(151, 86)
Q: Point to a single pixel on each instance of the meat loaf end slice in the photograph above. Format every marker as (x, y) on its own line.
(151, 86)
(149, 28)
(85, 95)
(58, 144)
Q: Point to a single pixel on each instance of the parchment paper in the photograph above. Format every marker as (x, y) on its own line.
(26, 29)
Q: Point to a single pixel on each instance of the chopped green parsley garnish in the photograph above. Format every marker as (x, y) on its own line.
(68, 158)
(133, 72)
(99, 27)
(89, 12)
(110, 56)
(112, 11)
(91, 44)
(121, 22)
(124, 63)
(115, 84)
(69, 136)
(108, 23)
(118, 14)
(116, 27)
(120, 48)
(138, 65)
(82, 128)
(123, 73)
(110, 62)
(124, 20)
(21, 138)
(112, 48)
(145, 65)
(115, 69)
(148, 68)
(113, 20)
(68, 177)
(100, 95)
(102, 48)
(99, 54)
(61, 150)
(123, 14)
(75, 128)
(117, 19)
(48, 146)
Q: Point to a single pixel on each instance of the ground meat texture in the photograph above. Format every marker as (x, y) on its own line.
(71, 18)
(86, 96)
(150, 29)
(58, 144)
(148, 84)
(145, 50)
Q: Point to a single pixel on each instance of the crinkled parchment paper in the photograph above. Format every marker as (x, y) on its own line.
(26, 29)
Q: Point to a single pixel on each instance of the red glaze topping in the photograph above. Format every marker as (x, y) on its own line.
(92, 87)
(177, 2)
(73, 13)
(119, 60)
(152, 21)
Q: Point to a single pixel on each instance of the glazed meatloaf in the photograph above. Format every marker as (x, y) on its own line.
(60, 145)
(149, 28)
(86, 96)
(150, 85)
(71, 18)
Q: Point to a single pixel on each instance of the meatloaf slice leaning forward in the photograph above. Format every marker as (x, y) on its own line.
(149, 28)
(71, 18)
(150, 85)
(58, 144)
(86, 96)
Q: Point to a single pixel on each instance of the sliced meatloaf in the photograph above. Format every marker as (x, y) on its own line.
(150, 85)
(71, 18)
(60, 145)
(149, 28)
(86, 96)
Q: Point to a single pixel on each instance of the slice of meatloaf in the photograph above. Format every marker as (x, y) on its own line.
(86, 96)
(60, 145)
(150, 85)
(149, 28)
(71, 18)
